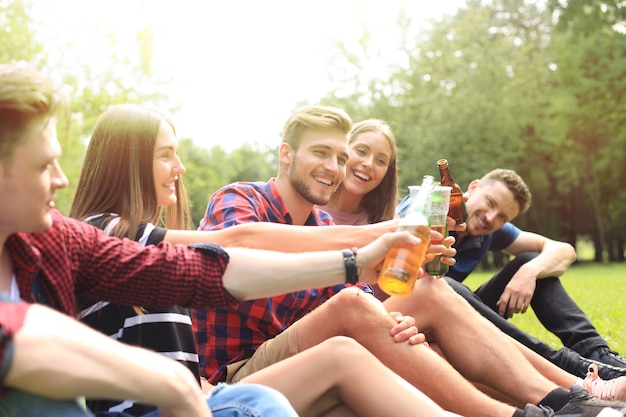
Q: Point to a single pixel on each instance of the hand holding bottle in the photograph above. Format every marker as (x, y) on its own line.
(402, 264)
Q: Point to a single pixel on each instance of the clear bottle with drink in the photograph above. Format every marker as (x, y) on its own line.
(437, 220)
(403, 262)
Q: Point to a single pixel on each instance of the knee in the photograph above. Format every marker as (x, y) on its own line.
(352, 308)
(434, 291)
(336, 353)
(524, 257)
(354, 303)
(342, 348)
(458, 287)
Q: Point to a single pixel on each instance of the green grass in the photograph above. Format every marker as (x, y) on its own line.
(596, 288)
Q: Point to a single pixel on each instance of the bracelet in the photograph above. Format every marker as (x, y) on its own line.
(349, 260)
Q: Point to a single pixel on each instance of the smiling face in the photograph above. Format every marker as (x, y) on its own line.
(317, 168)
(370, 155)
(167, 167)
(489, 206)
(29, 180)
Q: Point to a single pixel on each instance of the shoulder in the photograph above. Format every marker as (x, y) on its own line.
(67, 227)
(505, 236)
(321, 217)
(239, 190)
(508, 230)
(244, 186)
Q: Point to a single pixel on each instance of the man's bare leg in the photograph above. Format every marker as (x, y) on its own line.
(360, 316)
(555, 374)
(472, 344)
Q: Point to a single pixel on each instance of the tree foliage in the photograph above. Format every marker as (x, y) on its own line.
(536, 86)
(511, 83)
(210, 169)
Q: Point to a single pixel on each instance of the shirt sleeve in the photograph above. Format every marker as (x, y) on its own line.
(402, 208)
(125, 272)
(504, 237)
(11, 321)
(232, 205)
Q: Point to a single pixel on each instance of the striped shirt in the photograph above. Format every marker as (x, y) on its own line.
(167, 331)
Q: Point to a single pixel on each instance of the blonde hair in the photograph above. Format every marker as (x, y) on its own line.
(26, 95)
(314, 118)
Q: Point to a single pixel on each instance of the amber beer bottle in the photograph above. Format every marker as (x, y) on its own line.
(402, 263)
(457, 208)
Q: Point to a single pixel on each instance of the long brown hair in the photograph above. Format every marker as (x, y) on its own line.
(117, 174)
(380, 203)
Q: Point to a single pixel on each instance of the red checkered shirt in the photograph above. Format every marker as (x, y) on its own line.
(226, 335)
(73, 258)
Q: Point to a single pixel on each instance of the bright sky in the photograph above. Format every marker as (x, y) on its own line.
(239, 68)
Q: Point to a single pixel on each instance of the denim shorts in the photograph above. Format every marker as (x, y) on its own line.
(226, 400)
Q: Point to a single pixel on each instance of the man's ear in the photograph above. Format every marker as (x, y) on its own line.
(285, 153)
(472, 186)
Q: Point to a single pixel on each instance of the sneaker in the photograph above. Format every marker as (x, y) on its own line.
(612, 390)
(610, 357)
(605, 371)
(583, 404)
(532, 410)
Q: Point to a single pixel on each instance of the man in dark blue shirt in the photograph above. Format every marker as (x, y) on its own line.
(530, 279)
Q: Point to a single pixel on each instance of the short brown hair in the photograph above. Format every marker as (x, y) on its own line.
(513, 182)
(25, 95)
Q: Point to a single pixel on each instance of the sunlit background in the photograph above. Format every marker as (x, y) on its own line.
(237, 69)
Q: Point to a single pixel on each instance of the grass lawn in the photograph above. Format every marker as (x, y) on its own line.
(598, 290)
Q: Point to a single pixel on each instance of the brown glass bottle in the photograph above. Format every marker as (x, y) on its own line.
(457, 208)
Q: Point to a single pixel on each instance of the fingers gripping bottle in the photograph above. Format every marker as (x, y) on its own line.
(402, 263)
(457, 208)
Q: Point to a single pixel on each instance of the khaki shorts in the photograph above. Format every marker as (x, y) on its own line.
(274, 350)
(271, 351)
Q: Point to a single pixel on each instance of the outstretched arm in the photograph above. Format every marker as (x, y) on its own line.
(554, 257)
(254, 273)
(55, 356)
(285, 238)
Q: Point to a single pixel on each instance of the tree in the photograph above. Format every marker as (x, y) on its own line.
(472, 91)
(592, 69)
(126, 78)
(17, 40)
(210, 169)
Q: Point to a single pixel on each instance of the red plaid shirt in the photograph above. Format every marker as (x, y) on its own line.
(227, 335)
(11, 320)
(73, 258)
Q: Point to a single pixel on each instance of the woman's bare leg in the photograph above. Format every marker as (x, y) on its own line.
(358, 379)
